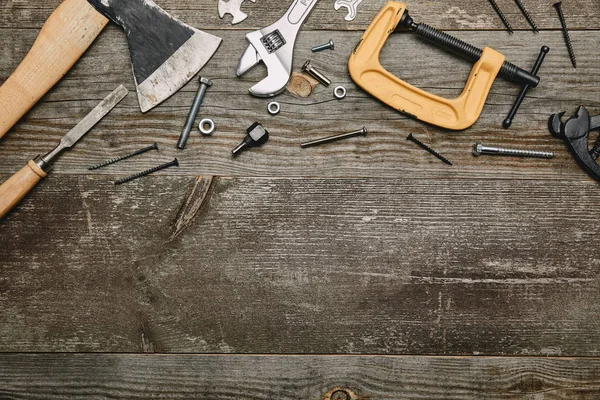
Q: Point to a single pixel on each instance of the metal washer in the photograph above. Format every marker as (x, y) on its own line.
(340, 92)
(274, 108)
(211, 126)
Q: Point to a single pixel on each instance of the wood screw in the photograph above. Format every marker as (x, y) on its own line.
(501, 15)
(565, 30)
(174, 163)
(526, 15)
(428, 149)
(118, 159)
(325, 46)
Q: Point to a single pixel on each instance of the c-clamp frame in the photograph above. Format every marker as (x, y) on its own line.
(456, 114)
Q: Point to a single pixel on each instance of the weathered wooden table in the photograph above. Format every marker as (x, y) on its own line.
(367, 264)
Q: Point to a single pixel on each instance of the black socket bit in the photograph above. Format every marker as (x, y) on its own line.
(256, 136)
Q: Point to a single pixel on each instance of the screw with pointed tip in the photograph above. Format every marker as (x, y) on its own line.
(256, 136)
(526, 14)
(125, 157)
(174, 163)
(563, 23)
(479, 149)
(501, 15)
(428, 149)
(325, 46)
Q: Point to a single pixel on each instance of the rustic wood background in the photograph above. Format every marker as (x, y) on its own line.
(285, 273)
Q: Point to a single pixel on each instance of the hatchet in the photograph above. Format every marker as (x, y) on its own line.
(165, 52)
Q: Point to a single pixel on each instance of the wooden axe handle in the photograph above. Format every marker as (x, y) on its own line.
(16, 188)
(64, 38)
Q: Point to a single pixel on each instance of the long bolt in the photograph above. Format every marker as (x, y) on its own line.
(501, 15)
(309, 69)
(118, 159)
(325, 46)
(335, 138)
(428, 149)
(479, 149)
(565, 30)
(536, 67)
(205, 83)
(526, 15)
(174, 163)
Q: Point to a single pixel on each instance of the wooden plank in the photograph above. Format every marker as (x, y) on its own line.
(376, 266)
(581, 14)
(384, 153)
(54, 377)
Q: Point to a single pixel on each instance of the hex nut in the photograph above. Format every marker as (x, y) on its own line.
(340, 92)
(274, 108)
(207, 127)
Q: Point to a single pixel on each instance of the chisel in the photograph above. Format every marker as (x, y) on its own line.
(16, 188)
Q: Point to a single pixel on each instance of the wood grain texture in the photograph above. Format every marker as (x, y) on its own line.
(55, 377)
(384, 153)
(463, 14)
(377, 266)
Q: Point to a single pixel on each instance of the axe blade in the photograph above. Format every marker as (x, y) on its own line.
(165, 52)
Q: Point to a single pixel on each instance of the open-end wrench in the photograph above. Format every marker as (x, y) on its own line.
(351, 6)
(232, 7)
(274, 46)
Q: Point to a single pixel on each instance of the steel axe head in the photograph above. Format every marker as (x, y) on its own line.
(165, 52)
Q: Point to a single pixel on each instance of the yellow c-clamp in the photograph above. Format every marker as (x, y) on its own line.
(456, 114)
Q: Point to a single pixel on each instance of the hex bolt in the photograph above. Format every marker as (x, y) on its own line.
(565, 30)
(125, 157)
(526, 14)
(335, 138)
(340, 395)
(479, 149)
(174, 163)
(501, 15)
(428, 149)
(205, 83)
(536, 68)
(324, 46)
(309, 69)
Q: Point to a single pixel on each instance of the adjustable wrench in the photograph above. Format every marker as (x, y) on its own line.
(274, 46)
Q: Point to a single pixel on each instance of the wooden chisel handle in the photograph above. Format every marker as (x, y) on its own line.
(16, 188)
(64, 38)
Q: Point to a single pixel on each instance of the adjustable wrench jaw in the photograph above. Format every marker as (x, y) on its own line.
(274, 46)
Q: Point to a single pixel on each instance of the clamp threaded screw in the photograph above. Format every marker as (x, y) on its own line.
(563, 23)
